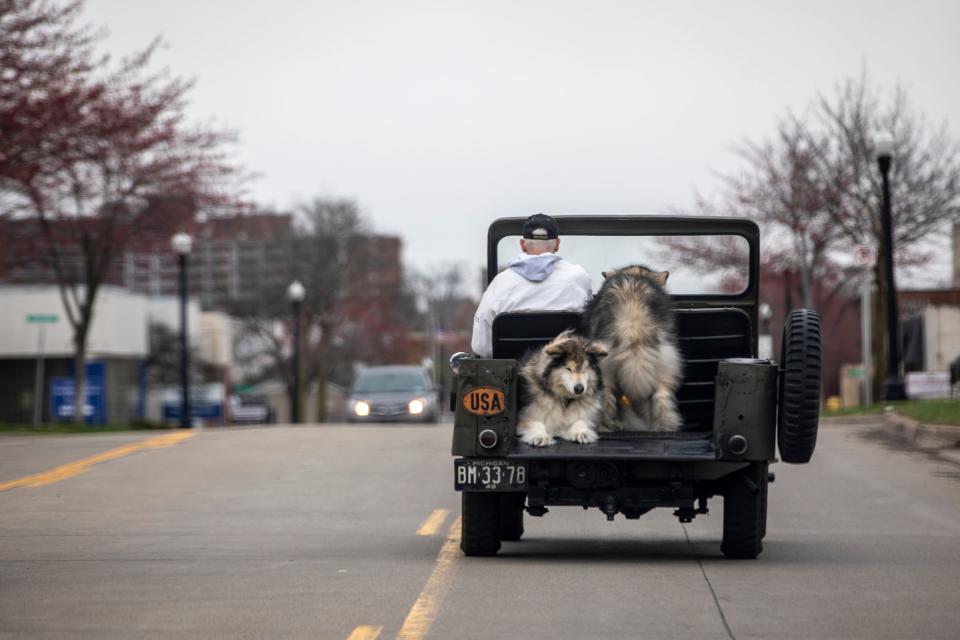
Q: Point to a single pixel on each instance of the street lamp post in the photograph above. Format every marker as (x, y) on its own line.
(295, 294)
(182, 243)
(893, 388)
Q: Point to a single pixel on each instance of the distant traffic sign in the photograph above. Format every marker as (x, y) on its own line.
(42, 318)
(864, 255)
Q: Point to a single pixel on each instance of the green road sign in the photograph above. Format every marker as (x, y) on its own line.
(42, 318)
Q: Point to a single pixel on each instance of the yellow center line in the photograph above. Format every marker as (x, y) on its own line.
(81, 466)
(366, 632)
(424, 610)
(433, 522)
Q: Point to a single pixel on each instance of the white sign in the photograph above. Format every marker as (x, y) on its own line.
(864, 255)
(928, 384)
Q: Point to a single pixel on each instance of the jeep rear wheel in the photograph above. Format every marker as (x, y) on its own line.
(799, 386)
(744, 518)
(480, 523)
(765, 491)
(511, 515)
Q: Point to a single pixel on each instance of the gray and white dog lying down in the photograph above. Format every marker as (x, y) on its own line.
(567, 396)
(633, 315)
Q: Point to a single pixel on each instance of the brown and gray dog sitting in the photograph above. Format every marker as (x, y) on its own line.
(633, 315)
(567, 396)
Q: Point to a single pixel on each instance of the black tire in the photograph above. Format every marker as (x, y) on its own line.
(511, 515)
(480, 523)
(744, 518)
(800, 362)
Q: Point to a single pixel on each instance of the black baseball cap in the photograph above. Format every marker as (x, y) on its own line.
(540, 227)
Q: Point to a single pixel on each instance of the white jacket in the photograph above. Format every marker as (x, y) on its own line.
(544, 282)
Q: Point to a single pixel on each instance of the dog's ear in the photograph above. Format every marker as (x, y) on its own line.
(660, 277)
(604, 274)
(556, 348)
(597, 350)
(560, 344)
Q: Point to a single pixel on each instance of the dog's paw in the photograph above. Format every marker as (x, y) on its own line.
(581, 433)
(584, 436)
(663, 412)
(667, 421)
(537, 439)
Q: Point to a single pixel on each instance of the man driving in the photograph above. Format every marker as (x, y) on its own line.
(538, 280)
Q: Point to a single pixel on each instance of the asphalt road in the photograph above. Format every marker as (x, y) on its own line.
(312, 532)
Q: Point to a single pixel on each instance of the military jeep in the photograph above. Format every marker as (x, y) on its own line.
(737, 409)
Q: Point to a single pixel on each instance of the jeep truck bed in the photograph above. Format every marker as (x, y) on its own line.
(683, 445)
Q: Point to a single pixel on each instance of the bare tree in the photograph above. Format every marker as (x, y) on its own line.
(323, 254)
(447, 316)
(163, 360)
(815, 190)
(925, 180)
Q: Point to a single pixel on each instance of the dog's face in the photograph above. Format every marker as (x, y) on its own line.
(573, 367)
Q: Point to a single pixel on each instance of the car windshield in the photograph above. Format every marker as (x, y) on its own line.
(717, 264)
(385, 381)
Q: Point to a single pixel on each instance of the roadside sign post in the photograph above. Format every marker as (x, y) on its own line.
(865, 257)
(41, 320)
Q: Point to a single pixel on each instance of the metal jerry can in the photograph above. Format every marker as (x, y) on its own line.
(486, 407)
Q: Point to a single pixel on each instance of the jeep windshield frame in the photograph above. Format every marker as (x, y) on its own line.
(655, 225)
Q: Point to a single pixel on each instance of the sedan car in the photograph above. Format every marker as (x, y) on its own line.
(393, 394)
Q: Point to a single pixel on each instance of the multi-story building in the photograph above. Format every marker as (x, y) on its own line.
(242, 265)
(231, 261)
(234, 261)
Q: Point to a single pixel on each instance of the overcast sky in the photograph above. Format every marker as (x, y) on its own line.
(438, 117)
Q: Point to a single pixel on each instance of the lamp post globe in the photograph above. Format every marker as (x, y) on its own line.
(295, 294)
(884, 145)
(181, 244)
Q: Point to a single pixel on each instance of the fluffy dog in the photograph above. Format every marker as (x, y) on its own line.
(567, 394)
(633, 315)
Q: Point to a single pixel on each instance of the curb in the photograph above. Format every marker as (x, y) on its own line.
(917, 432)
(940, 440)
(870, 418)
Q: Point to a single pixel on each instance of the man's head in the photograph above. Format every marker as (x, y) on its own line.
(540, 235)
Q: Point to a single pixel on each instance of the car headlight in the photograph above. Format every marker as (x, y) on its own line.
(362, 409)
(416, 407)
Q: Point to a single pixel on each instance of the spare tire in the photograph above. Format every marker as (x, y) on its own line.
(800, 362)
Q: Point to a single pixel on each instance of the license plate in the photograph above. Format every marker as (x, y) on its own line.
(489, 475)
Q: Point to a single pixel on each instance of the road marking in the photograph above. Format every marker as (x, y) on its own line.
(433, 522)
(366, 632)
(424, 610)
(81, 466)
